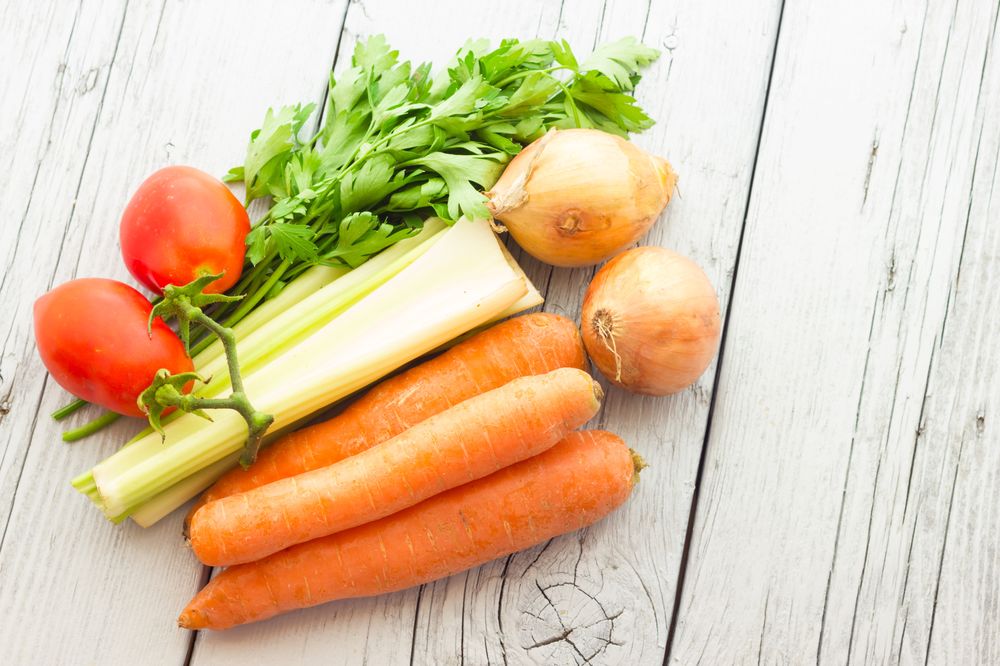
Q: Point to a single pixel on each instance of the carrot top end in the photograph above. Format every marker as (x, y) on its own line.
(638, 464)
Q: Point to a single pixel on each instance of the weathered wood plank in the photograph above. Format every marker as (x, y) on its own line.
(376, 630)
(52, 98)
(103, 96)
(628, 564)
(840, 461)
(961, 417)
(606, 594)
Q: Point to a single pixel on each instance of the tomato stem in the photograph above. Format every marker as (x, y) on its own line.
(89, 428)
(66, 410)
(184, 303)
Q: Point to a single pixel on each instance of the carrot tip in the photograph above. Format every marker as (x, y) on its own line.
(190, 619)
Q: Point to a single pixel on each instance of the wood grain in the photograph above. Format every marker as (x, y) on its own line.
(849, 401)
(847, 504)
(95, 98)
(606, 593)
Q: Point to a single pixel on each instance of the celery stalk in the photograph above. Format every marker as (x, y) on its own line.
(160, 506)
(318, 297)
(296, 323)
(462, 281)
(308, 283)
(532, 298)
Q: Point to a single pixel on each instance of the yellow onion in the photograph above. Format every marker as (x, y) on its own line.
(651, 321)
(576, 197)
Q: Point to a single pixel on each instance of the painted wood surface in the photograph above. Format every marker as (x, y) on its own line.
(848, 506)
(834, 497)
(95, 97)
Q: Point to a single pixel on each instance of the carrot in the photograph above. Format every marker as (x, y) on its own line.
(474, 438)
(573, 484)
(527, 345)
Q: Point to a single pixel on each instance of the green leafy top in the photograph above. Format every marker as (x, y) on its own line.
(398, 143)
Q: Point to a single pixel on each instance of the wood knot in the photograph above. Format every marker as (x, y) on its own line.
(566, 624)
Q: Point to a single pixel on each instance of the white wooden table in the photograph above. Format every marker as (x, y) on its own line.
(830, 492)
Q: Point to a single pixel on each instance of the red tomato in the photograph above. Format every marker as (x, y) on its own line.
(91, 335)
(182, 224)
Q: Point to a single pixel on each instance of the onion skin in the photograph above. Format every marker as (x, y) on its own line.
(651, 321)
(576, 197)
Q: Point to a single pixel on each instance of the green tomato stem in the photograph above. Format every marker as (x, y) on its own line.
(87, 429)
(66, 410)
(257, 422)
(185, 303)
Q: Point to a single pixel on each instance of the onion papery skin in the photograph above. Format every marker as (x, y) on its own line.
(576, 197)
(651, 321)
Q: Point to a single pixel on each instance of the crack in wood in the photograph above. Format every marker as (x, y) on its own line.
(645, 589)
(24, 461)
(156, 32)
(944, 549)
(971, 196)
(567, 631)
(559, 17)
(763, 627)
(864, 562)
(906, 120)
(540, 553)
(920, 430)
(559, 619)
(699, 475)
(902, 637)
(462, 619)
(868, 172)
(890, 283)
(205, 575)
(843, 495)
(416, 617)
(500, 597)
(906, 581)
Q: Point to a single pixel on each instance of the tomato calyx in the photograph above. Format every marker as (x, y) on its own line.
(185, 304)
(166, 392)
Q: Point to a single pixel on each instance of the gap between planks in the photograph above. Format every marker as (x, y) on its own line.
(696, 494)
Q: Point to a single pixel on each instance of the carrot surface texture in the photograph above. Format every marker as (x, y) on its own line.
(466, 442)
(527, 345)
(571, 485)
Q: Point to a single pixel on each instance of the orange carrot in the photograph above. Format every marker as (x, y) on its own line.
(471, 440)
(528, 345)
(573, 484)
